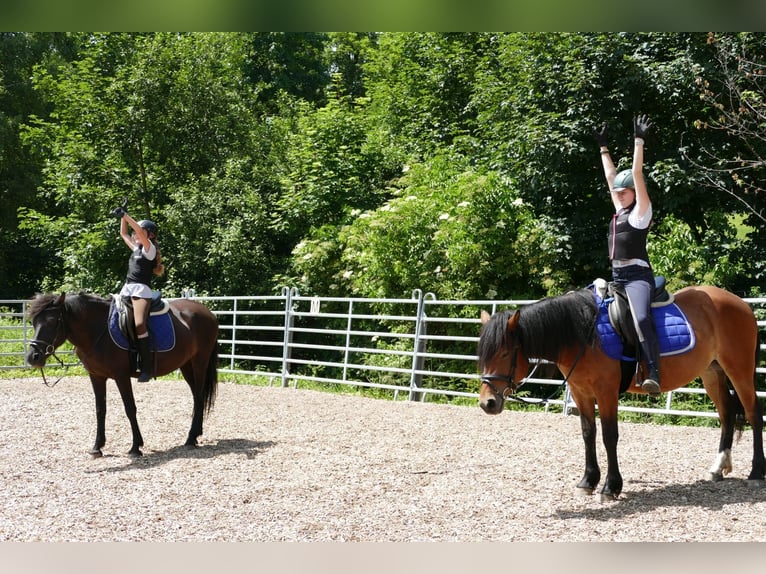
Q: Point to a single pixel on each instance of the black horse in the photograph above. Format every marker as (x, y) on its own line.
(83, 320)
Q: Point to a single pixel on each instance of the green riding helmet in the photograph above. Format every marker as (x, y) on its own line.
(623, 179)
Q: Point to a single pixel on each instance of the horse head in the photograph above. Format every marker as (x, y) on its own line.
(47, 316)
(501, 360)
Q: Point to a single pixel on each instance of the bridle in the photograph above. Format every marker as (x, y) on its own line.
(511, 386)
(49, 349)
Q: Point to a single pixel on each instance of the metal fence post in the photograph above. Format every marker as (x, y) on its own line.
(348, 340)
(288, 294)
(235, 308)
(418, 347)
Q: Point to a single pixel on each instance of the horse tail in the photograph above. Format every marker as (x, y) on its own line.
(210, 388)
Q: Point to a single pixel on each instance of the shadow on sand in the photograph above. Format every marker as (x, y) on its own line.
(701, 494)
(153, 458)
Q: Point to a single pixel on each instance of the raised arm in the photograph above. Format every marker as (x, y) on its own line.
(602, 139)
(139, 233)
(641, 126)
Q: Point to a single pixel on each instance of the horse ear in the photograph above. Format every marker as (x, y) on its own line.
(61, 298)
(484, 317)
(512, 322)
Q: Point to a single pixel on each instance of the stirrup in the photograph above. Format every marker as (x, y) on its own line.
(651, 387)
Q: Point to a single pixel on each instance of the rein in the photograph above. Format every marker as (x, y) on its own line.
(555, 392)
(56, 382)
(509, 393)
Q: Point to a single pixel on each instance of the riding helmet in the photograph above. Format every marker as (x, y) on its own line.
(623, 179)
(149, 226)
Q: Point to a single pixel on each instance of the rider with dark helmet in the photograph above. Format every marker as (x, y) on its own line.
(145, 261)
(627, 235)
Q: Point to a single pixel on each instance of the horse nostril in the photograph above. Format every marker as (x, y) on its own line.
(489, 405)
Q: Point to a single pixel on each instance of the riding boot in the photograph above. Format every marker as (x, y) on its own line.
(651, 384)
(145, 357)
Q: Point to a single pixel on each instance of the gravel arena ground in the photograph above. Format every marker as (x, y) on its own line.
(289, 464)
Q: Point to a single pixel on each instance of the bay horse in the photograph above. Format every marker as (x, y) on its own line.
(82, 319)
(561, 329)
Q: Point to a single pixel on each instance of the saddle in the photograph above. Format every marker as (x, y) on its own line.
(620, 316)
(124, 310)
(160, 325)
(617, 333)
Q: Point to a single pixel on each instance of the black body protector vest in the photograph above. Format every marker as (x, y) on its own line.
(140, 268)
(626, 241)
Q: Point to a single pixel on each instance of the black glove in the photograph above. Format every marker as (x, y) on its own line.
(641, 125)
(118, 212)
(601, 137)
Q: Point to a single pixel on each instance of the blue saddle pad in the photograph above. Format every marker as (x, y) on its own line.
(162, 333)
(674, 333)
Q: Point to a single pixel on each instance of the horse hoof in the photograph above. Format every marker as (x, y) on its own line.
(135, 453)
(608, 497)
(583, 492)
(96, 453)
(716, 476)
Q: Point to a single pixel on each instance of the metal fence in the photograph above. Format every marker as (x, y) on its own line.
(415, 347)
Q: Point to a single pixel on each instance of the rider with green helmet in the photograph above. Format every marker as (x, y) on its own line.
(627, 236)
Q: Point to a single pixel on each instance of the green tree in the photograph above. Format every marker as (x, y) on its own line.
(271, 158)
(421, 85)
(336, 162)
(731, 158)
(20, 168)
(539, 97)
(347, 54)
(218, 246)
(289, 62)
(449, 230)
(136, 116)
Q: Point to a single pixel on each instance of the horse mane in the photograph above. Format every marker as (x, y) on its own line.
(555, 323)
(494, 336)
(40, 303)
(544, 328)
(73, 303)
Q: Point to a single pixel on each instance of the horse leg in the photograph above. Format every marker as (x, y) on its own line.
(754, 415)
(99, 392)
(758, 469)
(195, 377)
(592, 474)
(129, 402)
(742, 379)
(607, 408)
(714, 381)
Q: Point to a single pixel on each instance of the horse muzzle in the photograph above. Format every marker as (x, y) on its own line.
(492, 405)
(491, 400)
(38, 354)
